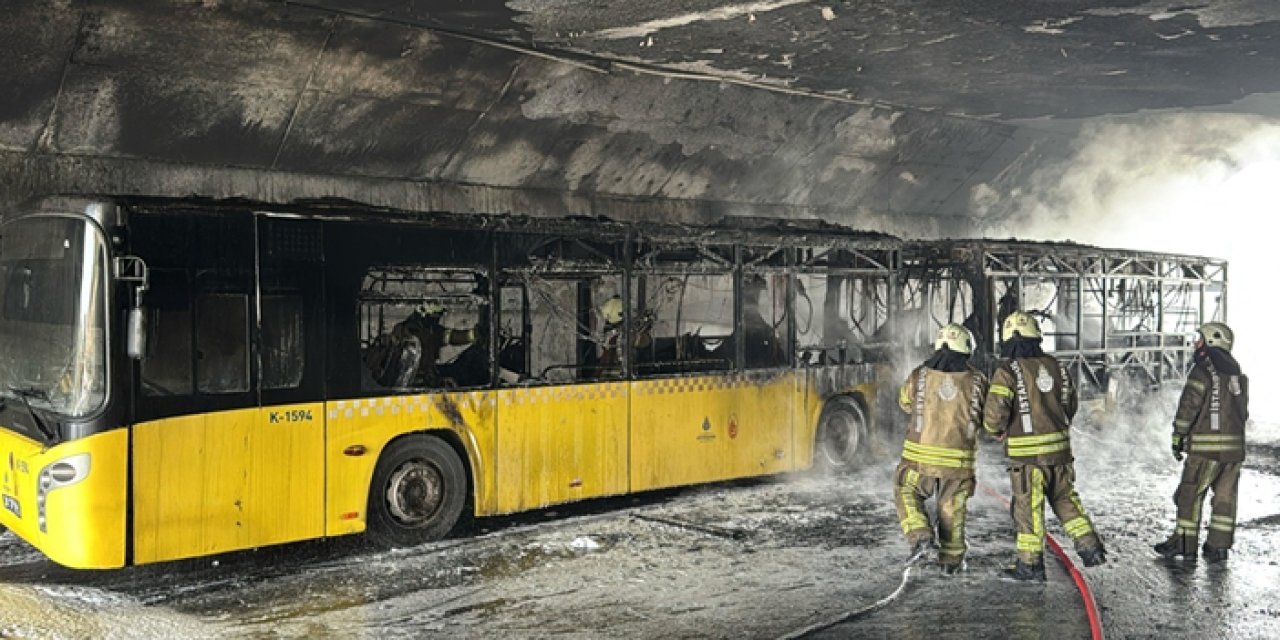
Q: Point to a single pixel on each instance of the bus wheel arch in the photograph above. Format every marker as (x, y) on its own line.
(843, 436)
(419, 489)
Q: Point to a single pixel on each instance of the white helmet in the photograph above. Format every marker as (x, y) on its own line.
(954, 337)
(431, 308)
(611, 310)
(1217, 334)
(1019, 323)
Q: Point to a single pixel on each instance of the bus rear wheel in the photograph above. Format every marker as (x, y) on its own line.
(418, 491)
(842, 437)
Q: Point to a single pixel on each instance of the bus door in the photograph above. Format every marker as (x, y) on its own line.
(562, 404)
(211, 471)
(286, 465)
(759, 425)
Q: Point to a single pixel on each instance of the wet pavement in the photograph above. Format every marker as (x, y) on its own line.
(766, 558)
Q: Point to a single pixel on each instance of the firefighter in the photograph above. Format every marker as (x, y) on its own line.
(944, 397)
(425, 325)
(1029, 405)
(1209, 428)
(611, 313)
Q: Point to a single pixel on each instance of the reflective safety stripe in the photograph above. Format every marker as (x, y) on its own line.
(1216, 437)
(1042, 438)
(914, 519)
(1001, 390)
(950, 452)
(938, 462)
(1088, 524)
(940, 456)
(1024, 403)
(920, 384)
(1209, 442)
(1187, 528)
(1026, 452)
(1078, 527)
(1037, 509)
(1210, 448)
(1226, 524)
(1215, 400)
(1206, 478)
(990, 428)
(1030, 543)
(959, 505)
(1041, 444)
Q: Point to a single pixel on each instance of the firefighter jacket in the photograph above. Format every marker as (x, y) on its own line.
(1212, 413)
(1032, 401)
(945, 408)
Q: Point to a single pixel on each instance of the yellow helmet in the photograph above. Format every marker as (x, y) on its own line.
(611, 310)
(954, 337)
(1217, 334)
(431, 308)
(1022, 323)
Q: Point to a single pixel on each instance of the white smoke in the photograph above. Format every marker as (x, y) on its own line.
(1194, 183)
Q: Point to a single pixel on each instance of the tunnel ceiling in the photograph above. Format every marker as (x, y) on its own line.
(1000, 59)
(910, 117)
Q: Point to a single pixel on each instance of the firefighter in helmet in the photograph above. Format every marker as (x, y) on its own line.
(611, 314)
(1209, 429)
(944, 398)
(1029, 405)
(425, 324)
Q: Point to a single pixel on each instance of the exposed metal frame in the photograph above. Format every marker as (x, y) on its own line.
(1115, 316)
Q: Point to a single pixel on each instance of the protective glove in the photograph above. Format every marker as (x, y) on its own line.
(1179, 445)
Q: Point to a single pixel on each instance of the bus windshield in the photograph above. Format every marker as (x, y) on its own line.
(52, 315)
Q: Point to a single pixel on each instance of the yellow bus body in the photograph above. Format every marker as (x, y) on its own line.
(224, 481)
(215, 482)
(85, 521)
(533, 447)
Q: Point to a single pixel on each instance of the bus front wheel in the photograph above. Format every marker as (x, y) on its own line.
(418, 491)
(842, 436)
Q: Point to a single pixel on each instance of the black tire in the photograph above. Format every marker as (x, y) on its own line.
(843, 439)
(418, 491)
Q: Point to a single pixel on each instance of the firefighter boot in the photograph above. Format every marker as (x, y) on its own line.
(1024, 571)
(952, 568)
(1093, 556)
(920, 549)
(1176, 545)
(1214, 554)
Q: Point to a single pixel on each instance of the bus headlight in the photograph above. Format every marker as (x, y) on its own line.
(57, 475)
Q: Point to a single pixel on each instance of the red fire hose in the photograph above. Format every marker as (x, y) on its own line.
(1091, 608)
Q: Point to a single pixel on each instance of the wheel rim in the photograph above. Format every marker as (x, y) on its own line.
(841, 438)
(415, 493)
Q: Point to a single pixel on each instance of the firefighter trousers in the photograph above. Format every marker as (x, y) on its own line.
(1033, 485)
(912, 489)
(1198, 476)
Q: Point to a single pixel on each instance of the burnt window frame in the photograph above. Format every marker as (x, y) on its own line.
(668, 257)
(573, 258)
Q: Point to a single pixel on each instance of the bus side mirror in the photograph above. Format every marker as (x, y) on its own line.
(136, 334)
(133, 270)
